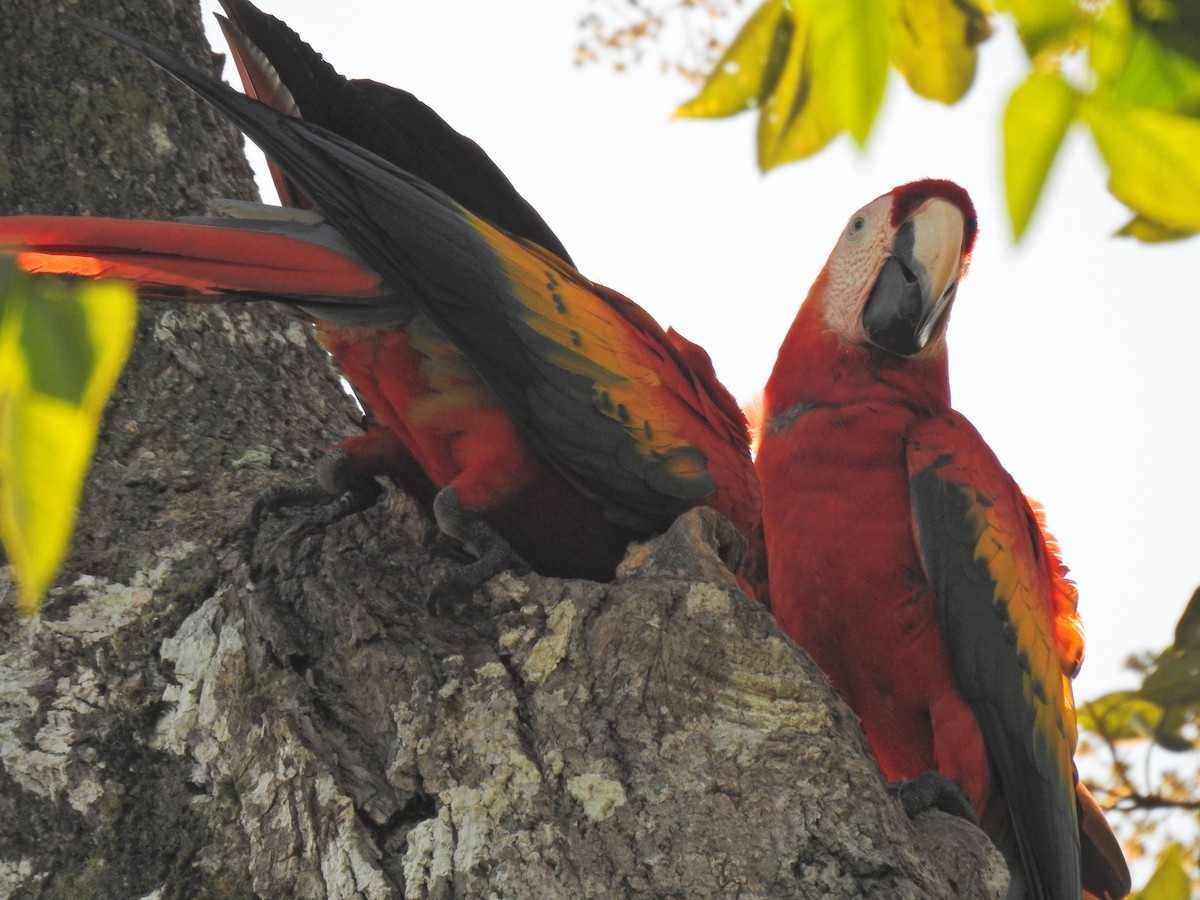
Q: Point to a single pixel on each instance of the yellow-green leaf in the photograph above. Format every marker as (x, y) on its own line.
(850, 57)
(1109, 39)
(1174, 22)
(795, 121)
(1150, 232)
(1121, 715)
(1170, 880)
(61, 350)
(1035, 122)
(832, 79)
(933, 45)
(749, 68)
(1153, 159)
(1155, 75)
(1045, 26)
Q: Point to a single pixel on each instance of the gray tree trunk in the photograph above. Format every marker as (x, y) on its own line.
(192, 716)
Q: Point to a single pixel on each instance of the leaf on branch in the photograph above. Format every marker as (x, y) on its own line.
(1144, 114)
(1150, 232)
(1152, 74)
(850, 46)
(796, 120)
(1175, 24)
(1121, 716)
(933, 45)
(1153, 159)
(1170, 880)
(1167, 705)
(62, 347)
(1035, 122)
(749, 68)
(813, 69)
(1045, 26)
(1187, 629)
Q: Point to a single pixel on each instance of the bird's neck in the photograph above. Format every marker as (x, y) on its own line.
(817, 368)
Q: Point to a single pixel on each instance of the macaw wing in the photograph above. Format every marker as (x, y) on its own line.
(632, 413)
(578, 370)
(281, 70)
(999, 591)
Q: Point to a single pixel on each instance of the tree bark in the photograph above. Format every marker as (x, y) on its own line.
(201, 714)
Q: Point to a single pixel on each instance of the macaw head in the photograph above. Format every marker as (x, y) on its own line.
(893, 275)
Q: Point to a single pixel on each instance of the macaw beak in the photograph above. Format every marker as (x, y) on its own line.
(918, 280)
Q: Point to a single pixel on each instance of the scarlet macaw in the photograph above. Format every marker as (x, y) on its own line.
(551, 413)
(906, 561)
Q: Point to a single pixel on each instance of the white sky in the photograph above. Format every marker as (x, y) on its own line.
(1075, 354)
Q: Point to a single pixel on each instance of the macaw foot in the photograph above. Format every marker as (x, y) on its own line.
(933, 790)
(492, 551)
(338, 487)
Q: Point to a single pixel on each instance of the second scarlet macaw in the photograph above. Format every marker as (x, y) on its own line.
(907, 562)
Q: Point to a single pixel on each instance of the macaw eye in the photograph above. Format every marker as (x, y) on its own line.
(858, 224)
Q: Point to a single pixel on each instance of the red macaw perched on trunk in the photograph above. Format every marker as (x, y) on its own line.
(281, 70)
(907, 562)
(550, 412)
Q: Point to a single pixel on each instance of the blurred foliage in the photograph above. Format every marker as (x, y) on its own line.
(621, 31)
(1127, 70)
(1170, 880)
(1147, 741)
(62, 347)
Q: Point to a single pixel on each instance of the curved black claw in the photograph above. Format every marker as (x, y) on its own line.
(339, 488)
(933, 790)
(493, 551)
(287, 496)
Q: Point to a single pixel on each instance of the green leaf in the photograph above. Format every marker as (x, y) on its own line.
(1035, 122)
(792, 124)
(55, 333)
(1153, 159)
(61, 350)
(1170, 880)
(1109, 41)
(933, 45)
(749, 68)
(1046, 26)
(1121, 715)
(832, 79)
(1175, 679)
(1187, 629)
(1154, 75)
(1150, 232)
(850, 54)
(1176, 24)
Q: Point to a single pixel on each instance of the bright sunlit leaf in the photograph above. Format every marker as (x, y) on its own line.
(850, 51)
(62, 347)
(1035, 122)
(796, 121)
(750, 67)
(933, 45)
(1153, 159)
(832, 79)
